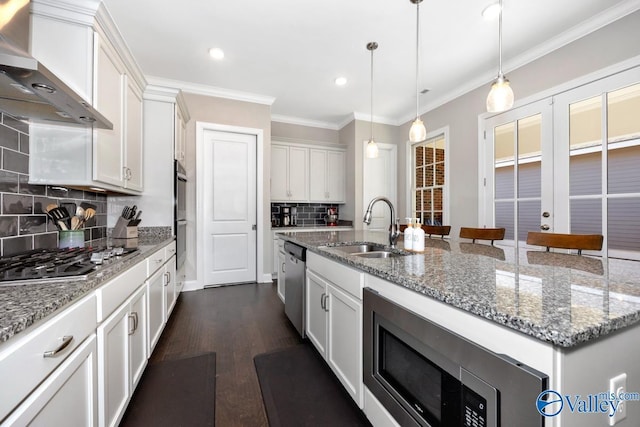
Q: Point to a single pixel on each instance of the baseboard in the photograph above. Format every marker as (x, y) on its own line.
(191, 285)
(266, 278)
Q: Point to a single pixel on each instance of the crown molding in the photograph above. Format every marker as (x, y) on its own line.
(376, 119)
(304, 122)
(199, 89)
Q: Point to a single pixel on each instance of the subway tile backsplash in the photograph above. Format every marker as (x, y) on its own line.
(308, 214)
(23, 223)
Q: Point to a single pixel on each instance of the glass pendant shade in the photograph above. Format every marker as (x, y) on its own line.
(372, 149)
(500, 97)
(418, 132)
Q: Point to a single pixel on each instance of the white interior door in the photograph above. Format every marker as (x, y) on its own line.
(229, 207)
(379, 179)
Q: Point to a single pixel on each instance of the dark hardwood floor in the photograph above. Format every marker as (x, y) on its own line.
(237, 322)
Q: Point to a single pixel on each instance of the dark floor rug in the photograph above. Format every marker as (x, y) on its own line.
(175, 393)
(299, 389)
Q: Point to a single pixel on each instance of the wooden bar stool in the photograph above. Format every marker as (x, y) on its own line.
(482, 233)
(566, 241)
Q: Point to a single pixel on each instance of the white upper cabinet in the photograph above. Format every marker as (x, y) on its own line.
(326, 176)
(307, 173)
(289, 179)
(85, 49)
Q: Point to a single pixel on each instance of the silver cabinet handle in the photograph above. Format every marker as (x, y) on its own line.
(168, 277)
(322, 301)
(66, 340)
(326, 300)
(159, 260)
(165, 279)
(133, 316)
(283, 267)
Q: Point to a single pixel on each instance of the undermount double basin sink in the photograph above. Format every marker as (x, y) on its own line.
(370, 250)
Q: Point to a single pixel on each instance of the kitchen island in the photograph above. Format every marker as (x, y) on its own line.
(574, 318)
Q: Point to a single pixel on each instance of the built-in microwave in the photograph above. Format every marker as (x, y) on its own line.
(426, 375)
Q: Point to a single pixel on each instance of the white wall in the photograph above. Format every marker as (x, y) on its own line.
(235, 113)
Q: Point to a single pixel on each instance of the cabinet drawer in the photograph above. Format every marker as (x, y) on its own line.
(155, 261)
(346, 278)
(111, 295)
(169, 250)
(23, 365)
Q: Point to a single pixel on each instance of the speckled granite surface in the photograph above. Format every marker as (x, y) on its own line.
(562, 299)
(24, 305)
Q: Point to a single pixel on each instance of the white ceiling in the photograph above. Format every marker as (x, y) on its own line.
(290, 51)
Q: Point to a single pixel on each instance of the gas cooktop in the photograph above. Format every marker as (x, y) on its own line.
(52, 264)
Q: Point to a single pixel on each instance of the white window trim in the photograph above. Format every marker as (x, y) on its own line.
(446, 219)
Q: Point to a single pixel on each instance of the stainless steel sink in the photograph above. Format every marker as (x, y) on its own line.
(359, 249)
(377, 254)
(370, 250)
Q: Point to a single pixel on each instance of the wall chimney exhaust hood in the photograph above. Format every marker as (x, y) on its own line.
(28, 90)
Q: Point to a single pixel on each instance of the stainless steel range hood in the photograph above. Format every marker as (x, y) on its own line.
(28, 90)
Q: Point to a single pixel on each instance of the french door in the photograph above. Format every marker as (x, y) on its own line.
(569, 164)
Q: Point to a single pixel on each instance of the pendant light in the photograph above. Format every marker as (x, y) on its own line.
(417, 132)
(500, 97)
(372, 147)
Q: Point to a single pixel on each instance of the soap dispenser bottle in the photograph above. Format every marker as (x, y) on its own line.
(418, 237)
(408, 235)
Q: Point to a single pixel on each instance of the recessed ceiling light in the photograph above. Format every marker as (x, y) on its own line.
(216, 53)
(491, 12)
(341, 81)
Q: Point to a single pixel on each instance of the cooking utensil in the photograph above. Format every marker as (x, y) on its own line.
(125, 212)
(76, 222)
(60, 216)
(138, 215)
(132, 213)
(89, 213)
(85, 205)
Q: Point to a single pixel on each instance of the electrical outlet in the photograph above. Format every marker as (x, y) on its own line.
(618, 385)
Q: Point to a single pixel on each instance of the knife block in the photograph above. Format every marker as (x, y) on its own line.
(123, 230)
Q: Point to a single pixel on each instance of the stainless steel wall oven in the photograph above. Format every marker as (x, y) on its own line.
(180, 225)
(425, 375)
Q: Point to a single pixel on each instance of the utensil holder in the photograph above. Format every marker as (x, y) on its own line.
(71, 239)
(123, 230)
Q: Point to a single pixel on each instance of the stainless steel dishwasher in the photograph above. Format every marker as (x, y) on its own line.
(294, 293)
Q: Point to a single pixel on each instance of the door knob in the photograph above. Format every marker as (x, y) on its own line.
(544, 227)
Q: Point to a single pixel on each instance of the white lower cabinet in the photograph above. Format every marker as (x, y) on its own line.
(281, 272)
(170, 286)
(157, 312)
(122, 357)
(334, 326)
(68, 397)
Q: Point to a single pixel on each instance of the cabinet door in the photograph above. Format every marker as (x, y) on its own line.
(170, 295)
(298, 174)
(133, 159)
(108, 99)
(318, 175)
(281, 273)
(279, 173)
(336, 176)
(155, 305)
(344, 347)
(113, 362)
(68, 397)
(316, 316)
(138, 335)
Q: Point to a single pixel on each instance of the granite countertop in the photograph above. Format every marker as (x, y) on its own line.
(24, 305)
(558, 298)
